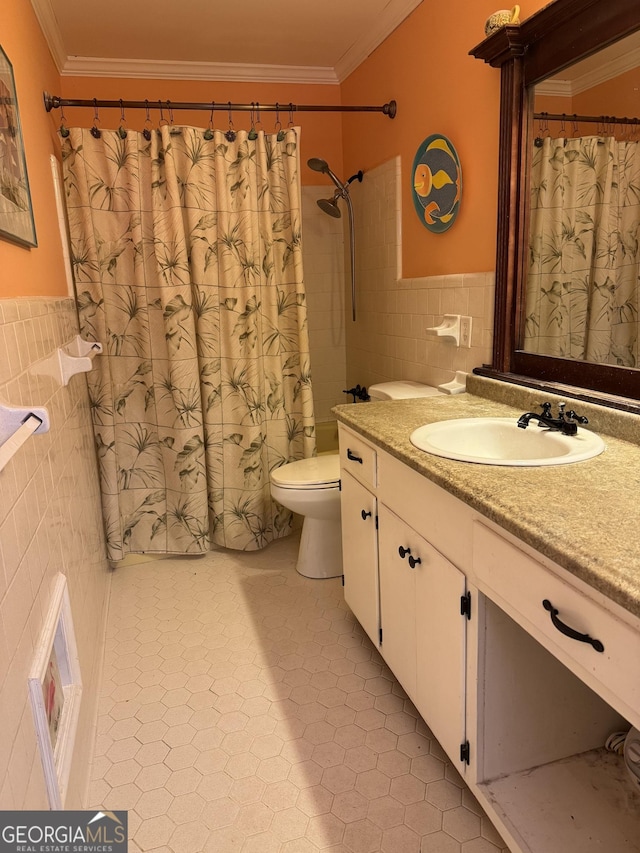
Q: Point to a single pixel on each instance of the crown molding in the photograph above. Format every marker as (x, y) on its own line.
(620, 65)
(86, 66)
(607, 71)
(364, 46)
(152, 69)
(555, 88)
(51, 30)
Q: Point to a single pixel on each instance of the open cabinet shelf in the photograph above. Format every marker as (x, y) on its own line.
(542, 766)
(583, 803)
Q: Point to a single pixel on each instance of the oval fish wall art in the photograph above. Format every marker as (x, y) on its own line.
(436, 183)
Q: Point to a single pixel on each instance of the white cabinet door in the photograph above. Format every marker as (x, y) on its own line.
(423, 629)
(440, 644)
(360, 554)
(398, 542)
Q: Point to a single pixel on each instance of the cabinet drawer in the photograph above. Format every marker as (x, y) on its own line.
(520, 585)
(445, 521)
(357, 457)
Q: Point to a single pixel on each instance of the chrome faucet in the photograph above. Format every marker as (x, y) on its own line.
(566, 422)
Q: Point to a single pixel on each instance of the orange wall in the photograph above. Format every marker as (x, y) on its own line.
(439, 88)
(38, 271)
(618, 96)
(424, 65)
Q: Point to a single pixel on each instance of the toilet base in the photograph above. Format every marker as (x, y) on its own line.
(320, 554)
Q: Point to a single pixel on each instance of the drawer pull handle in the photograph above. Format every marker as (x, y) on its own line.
(403, 552)
(413, 561)
(365, 515)
(353, 457)
(569, 632)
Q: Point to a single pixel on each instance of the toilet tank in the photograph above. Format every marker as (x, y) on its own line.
(401, 389)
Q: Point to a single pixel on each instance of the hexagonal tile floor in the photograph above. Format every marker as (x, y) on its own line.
(244, 709)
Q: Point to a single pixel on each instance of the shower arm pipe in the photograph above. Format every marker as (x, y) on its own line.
(352, 247)
(54, 102)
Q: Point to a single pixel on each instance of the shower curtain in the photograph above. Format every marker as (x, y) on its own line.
(186, 253)
(583, 284)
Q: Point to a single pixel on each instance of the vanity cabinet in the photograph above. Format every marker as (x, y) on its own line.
(407, 596)
(522, 696)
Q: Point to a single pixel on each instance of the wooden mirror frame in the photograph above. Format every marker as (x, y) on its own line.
(558, 35)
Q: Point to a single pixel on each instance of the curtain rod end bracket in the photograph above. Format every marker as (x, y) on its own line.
(390, 109)
(51, 102)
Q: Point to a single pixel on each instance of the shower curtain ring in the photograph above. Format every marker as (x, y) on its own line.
(253, 133)
(122, 131)
(146, 130)
(538, 141)
(163, 120)
(278, 126)
(291, 108)
(563, 131)
(574, 126)
(208, 134)
(170, 111)
(546, 124)
(258, 119)
(230, 135)
(95, 131)
(64, 131)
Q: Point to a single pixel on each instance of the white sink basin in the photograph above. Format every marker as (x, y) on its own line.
(500, 441)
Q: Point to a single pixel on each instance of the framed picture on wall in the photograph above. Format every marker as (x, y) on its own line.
(55, 689)
(16, 214)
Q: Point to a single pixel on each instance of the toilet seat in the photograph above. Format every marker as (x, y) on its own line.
(318, 472)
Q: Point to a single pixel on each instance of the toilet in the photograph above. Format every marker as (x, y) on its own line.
(311, 488)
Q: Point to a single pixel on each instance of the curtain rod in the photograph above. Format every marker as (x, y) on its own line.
(53, 102)
(574, 117)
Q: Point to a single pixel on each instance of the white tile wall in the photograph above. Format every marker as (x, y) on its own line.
(323, 259)
(50, 522)
(389, 339)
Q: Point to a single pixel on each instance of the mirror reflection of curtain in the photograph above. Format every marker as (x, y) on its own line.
(188, 268)
(582, 294)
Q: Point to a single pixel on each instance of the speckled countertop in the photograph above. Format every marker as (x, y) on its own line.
(584, 516)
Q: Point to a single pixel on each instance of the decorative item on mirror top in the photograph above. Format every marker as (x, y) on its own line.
(501, 18)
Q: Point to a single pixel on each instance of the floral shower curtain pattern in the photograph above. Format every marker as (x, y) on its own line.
(584, 253)
(187, 262)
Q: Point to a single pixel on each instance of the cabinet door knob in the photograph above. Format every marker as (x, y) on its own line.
(365, 515)
(570, 632)
(413, 561)
(403, 552)
(352, 456)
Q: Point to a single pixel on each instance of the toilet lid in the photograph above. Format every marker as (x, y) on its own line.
(317, 471)
(402, 389)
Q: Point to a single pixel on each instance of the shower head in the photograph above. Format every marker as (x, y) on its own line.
(330, 206)
(319, 165)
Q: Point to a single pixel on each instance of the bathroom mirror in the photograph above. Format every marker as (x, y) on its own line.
(547, 48)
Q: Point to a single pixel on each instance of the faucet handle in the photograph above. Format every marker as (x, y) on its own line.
(572, 416)
(546, 409)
